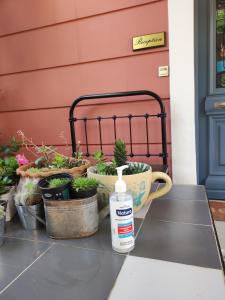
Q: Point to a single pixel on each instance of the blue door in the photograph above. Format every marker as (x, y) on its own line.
(210, 97)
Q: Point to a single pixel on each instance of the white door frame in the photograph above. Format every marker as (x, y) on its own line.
(182, 90)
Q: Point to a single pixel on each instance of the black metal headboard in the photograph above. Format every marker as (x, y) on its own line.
(100, 121)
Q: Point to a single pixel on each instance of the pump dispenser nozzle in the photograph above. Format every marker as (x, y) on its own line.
(120, 186)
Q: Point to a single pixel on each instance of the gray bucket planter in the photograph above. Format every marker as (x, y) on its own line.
(29, 215)
(70, 219)
(2, 231)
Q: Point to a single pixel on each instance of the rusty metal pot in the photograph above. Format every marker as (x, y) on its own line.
(69, 219)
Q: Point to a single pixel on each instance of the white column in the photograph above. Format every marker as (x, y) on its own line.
(182, 90)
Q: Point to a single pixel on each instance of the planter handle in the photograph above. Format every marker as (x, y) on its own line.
(162, 191)
(33, 215)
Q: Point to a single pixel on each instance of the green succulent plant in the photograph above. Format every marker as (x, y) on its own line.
(60, 161)
(136, 168)
(120, 159)
(84, 184)
(2, 212)
(57, 182)
(33, 170)
(120, 153)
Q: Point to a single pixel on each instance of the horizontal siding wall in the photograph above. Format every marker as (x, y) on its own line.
(53, 51)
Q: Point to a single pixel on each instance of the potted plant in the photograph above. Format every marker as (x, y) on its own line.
(50, 162)
(56, 187)
(2, 224)
(76, 217)
(138, 177)
(29, 203)
(8, 181)
(83, 187)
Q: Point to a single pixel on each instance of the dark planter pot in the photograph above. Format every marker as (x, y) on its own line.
(59, 193)
(83, 194)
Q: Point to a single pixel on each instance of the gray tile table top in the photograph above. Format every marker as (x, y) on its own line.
(66, 272)
(177, 242)
(176, 229)
(186, 192)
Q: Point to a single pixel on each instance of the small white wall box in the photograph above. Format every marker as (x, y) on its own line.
(163, 71)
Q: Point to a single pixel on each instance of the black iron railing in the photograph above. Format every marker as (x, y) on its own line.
(100, 120)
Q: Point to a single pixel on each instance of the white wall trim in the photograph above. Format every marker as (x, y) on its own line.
(182, 90)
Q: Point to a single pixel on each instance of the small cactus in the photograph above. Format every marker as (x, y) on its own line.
(120, 153)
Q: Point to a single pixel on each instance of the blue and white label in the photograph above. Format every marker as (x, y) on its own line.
(124, 212)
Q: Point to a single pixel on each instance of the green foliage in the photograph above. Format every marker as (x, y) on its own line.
(33, 170)
(120, 159)
(8, 168)
(11, 163)
(60, 161)
(5, 182)
(10, 148)
(84, 184)
(120, 153)
(2, 212)
(104, 168)
(57, 182)
(136, 168)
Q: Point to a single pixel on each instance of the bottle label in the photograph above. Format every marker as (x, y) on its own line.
(122, 225)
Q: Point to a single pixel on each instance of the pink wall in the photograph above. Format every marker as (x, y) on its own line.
(53, 51)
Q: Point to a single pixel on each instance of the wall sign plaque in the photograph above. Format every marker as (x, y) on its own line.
(152, 40)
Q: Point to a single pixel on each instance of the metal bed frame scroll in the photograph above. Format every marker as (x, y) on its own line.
(100, 121)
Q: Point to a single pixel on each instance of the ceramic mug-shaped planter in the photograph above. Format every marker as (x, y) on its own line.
(138, 184)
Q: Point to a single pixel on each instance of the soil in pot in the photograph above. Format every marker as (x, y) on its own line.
(83, 194)
(57, 193)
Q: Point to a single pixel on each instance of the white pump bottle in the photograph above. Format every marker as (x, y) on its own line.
(121, 214)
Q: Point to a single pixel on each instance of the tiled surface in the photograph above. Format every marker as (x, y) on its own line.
(181, 243)
(15, 256)
(186, 192)
(190, 211)
(100, 241)
(148, 279)
(143, 211)
(33, 266)
(67, 273)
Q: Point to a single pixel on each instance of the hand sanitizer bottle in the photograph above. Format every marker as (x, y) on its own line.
(121, 214)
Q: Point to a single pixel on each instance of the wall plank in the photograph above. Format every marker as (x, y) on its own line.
(97, 38)
(46, 125)
(58, 87)
(32, 14)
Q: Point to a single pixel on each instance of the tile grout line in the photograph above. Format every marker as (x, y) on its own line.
(25, 239)
(7, 286)
(185, 223)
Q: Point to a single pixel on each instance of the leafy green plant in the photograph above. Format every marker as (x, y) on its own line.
(57, 182)
(60, 161)
(5, 182)
(120, 153)
(2, 212)
(84, 184)
(10, 148)
(103, 167)
(120, 159)
(136, 168)
(33, 170)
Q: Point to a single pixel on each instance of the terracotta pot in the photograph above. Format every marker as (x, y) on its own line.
(138, 184)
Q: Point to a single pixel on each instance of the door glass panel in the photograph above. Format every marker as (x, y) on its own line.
(220, 43)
